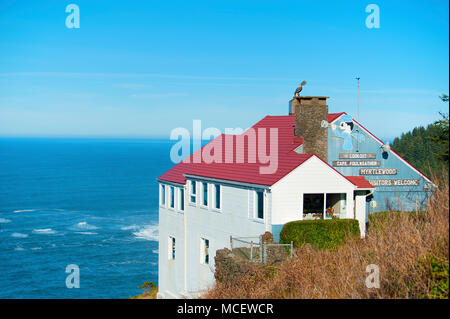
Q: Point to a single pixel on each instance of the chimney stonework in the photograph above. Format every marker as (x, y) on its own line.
(309, 113)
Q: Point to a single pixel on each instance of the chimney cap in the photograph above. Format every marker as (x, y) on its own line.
(306, 97)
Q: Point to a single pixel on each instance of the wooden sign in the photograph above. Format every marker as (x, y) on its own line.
(357, 155)
(356, 163)
(377, 171)
(394, 182)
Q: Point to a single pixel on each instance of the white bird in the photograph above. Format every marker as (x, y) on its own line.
(299, 88)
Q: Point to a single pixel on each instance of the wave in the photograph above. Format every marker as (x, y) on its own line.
(83, 226)
(86, 233)
(19, 235)
(132, 227)
(148, 232)
(19, 248)
(4, 220)
(155, 251)
(44, 231)
(24, 210)
(36, 248)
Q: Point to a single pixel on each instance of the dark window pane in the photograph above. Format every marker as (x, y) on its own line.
(217, 196)
(260, 204)
(205, 194)
(181, 199)
(206, 251)
(172, 196)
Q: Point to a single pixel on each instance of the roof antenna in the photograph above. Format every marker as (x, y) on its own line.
(357, 127)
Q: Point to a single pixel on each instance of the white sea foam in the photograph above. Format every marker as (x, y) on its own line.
(19, 235)
(155, 251)
(4, 220)
(44, 231)
(36, 248)
(86, 233)
(23, 210)
(148, 232)
(132, 227)
(84, 226)
(19, 248)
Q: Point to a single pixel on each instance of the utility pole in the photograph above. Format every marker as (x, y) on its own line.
(357, 128)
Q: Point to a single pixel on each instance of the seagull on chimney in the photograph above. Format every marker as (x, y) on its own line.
(299, 89)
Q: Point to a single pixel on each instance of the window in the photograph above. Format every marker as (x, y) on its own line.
(193, 196)
(205, 194)
(217, 199)
(172, 197)
(335, 205)
(204, 251)
(181, 199)
(162, 195)
(259, 204)
(171, 248)
(313, 206)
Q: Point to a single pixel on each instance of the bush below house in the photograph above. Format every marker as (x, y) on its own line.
(320, 234)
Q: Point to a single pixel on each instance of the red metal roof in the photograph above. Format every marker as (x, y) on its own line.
(243, 170)
(333, 116)
(360, 181)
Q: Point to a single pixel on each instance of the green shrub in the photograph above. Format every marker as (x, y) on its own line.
(437, 271)
(321, 234)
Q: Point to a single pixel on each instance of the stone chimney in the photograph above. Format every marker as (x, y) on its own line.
(309, 113)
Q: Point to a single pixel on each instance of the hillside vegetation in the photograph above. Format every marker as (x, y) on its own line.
(426, 148)
(410, 251)
(421, 149)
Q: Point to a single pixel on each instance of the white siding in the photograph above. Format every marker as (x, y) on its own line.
(217, 226)
(234, 218)
(313, 176)
(170, 272)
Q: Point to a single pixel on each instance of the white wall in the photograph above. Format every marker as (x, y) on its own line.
(170, 272)
(313, 176)
(234, 218)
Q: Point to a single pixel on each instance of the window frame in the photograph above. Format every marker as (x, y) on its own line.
(193, 184)
(181, 199)
(162, 195)
(256, 205)
(202, 196)
(171, 248)
(214, 197)
(205, 246)
(171, 199)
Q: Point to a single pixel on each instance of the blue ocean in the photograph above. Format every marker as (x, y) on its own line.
(88, 202)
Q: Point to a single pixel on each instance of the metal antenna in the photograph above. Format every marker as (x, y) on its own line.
(357, 128)
(358, 97)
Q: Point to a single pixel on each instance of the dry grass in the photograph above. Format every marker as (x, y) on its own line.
(398, 244)
(146, 295)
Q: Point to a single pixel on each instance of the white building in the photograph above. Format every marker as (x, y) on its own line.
(203, 203)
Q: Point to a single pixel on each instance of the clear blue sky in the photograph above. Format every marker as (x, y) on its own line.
(142, 68)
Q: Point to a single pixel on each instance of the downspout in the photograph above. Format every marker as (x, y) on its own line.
(268, 210)
(367, 195)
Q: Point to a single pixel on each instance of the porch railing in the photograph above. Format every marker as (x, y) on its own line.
(254, 249)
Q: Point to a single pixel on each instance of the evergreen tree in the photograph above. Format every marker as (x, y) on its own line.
(426, 148)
